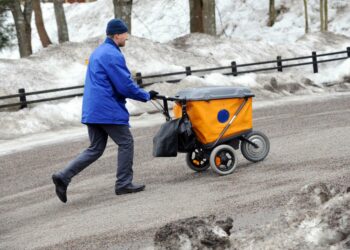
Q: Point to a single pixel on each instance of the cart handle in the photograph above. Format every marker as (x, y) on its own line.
(167, 98)
(165, 106)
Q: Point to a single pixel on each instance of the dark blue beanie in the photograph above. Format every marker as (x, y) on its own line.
(116, 26)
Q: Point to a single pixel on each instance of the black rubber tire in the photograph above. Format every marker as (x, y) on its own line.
(228, 155)
(255, 154)
(201, 164)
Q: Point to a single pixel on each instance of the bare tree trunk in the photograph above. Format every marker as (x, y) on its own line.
(28, 10)
(62, 27)
(202, 16)
(321, 15)
(306, 17)
(122, 10)
(196, 16)
(209, 22)
(39, 22)
(326, 15)
(272, 13)
(22, 24)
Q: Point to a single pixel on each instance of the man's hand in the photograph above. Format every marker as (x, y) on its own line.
(153, 94)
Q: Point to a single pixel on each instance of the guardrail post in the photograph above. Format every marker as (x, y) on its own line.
(22, 98)
(139, 78)
(279, 64)
(234, 68)
(348, 50)
(314, 62)
(188, 71)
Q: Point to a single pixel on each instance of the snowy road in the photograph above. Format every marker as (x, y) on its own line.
(309, 143)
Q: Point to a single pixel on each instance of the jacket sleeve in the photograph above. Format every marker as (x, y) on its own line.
(120, 77)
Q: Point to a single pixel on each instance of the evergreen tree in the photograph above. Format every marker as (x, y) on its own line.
(22, 19)
(6, 30)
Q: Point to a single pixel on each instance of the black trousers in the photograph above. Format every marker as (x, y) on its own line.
(98, 134)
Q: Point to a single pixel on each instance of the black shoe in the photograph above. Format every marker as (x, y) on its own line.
(131, 188)
(61, 187)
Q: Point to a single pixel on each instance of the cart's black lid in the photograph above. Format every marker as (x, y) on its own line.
(215, 92)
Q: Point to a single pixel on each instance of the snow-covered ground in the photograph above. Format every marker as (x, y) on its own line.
(160, 43)
(164, 20)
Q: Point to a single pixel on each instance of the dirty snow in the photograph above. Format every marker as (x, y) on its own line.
(317, 217)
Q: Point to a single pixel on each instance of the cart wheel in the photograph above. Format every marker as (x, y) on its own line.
(197, 161)
(252, 153)
(223, 159)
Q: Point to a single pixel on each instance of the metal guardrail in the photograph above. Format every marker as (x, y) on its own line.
(280, 64)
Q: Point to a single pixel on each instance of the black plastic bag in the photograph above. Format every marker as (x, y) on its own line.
(186, 136)
(165, 142)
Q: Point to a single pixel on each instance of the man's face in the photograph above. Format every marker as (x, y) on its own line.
(121, 38)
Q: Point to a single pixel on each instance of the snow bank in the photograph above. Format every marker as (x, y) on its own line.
(317, 217)
(63, 66)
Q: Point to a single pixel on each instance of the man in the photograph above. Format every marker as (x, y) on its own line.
(108, 83)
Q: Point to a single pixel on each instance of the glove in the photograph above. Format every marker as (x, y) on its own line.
(153, 94)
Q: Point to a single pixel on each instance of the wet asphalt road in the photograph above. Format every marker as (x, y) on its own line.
(310, 142)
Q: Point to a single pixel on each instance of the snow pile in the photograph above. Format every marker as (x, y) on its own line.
(327, 220)
(318, 217)
(44, 117)
(194, 233)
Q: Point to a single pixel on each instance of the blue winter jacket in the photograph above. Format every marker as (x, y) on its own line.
(108, 83)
